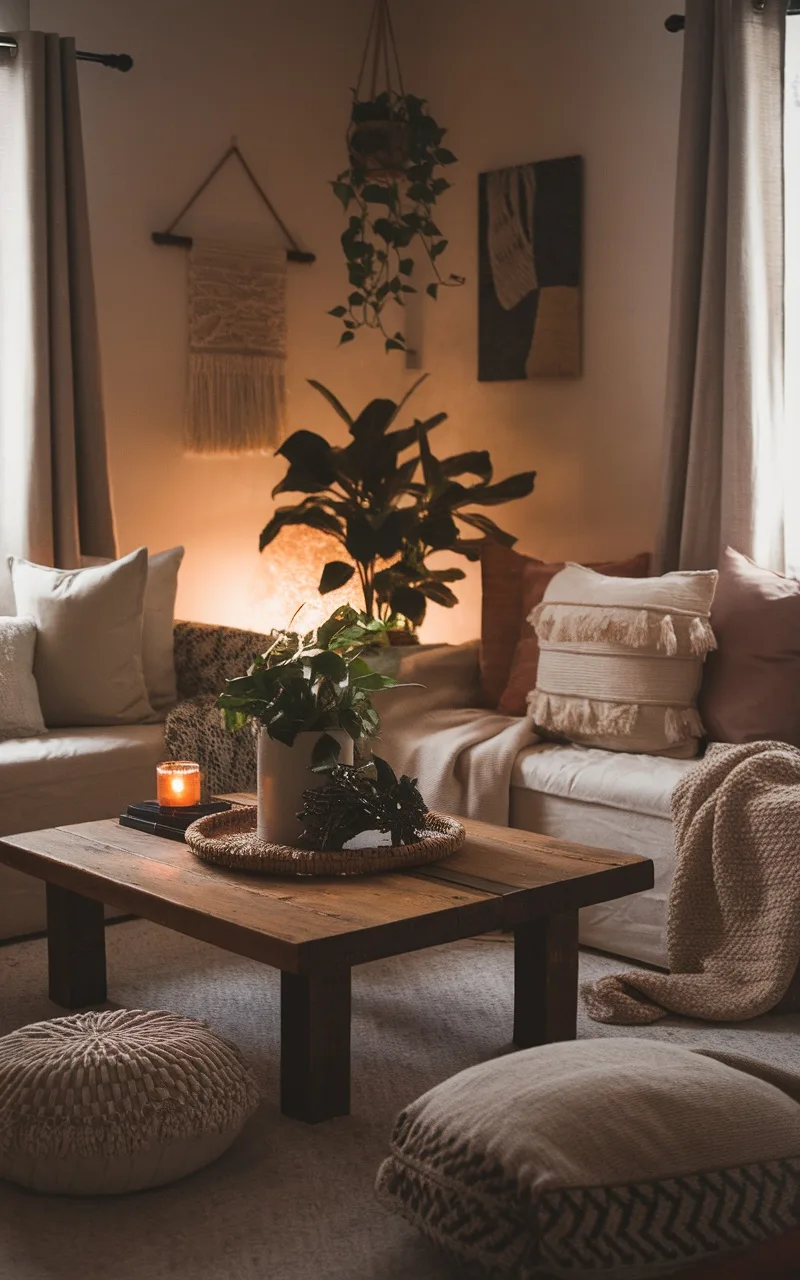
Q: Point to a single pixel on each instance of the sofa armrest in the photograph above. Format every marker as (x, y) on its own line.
(207, 654)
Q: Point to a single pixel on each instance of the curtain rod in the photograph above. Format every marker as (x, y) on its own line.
(676, 21)
(119, 61)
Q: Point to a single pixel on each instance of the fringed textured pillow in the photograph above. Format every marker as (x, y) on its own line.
(621, 660)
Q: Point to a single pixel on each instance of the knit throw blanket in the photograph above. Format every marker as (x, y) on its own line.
(237, 348)
(733, 930)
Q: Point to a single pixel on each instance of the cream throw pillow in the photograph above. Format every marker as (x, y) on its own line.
(616, 1158)
(621, 659)
(20, 712)
(88, 662)
(159, 624)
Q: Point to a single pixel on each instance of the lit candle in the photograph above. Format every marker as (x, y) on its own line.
(178, 784)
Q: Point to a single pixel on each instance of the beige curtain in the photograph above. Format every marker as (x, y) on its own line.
(55, 501)
(724, 411)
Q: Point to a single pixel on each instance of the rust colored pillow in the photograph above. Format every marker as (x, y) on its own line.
(525, 661)
(502, 615)
(751, 685)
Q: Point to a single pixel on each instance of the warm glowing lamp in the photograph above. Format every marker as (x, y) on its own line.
(178, 784)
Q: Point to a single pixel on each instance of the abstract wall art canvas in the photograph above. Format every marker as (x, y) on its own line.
(529, 291)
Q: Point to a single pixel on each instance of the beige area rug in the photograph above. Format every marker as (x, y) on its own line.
(291, 1201)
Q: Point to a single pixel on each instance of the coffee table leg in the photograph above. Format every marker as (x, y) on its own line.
(546, 980)
(315, 1045)
(76, 947)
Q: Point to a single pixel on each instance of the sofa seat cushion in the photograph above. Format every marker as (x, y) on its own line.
(611, 800)
(69, 775)
(636, 783)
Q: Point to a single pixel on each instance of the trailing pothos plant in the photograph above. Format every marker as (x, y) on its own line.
(390, 190)
(391, 504)
(311, 683)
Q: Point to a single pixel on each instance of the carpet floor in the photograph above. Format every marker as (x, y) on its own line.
(291, 1201)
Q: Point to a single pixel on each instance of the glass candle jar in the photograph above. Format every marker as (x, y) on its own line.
(177, 784)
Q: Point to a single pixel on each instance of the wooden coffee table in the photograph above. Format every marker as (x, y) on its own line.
(315, 930)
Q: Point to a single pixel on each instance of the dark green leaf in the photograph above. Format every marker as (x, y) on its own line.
(410, 602)
(487, 526)
(356, 299)
(430, 466)
(325, 754)
(373, 421)
(406, 266)
(330, 664)
(439, 594)
(409, 435)
(438, 532)
(312, 517)
(347, 336)
(343, 191)
(444, 156)
(392, 344)
(475, 463)
(433, 291)
(375, 194)
(332, 401)
(508, 490)
(310, 453)
(335, 574)
(338, 312)
(438, 247)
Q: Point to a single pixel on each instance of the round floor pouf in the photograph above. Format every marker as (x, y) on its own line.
(104, 1103)
(607, 1159)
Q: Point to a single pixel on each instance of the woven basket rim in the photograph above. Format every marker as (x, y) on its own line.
(231, 840)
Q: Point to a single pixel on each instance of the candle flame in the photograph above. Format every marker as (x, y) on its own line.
(177, 785)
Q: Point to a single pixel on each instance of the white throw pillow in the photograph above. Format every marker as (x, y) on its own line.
(20, 712)
(88, 662)
(617, 1158)
(159, 624)
(621, 659)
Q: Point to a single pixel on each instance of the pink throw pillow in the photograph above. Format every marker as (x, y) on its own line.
(751, 684)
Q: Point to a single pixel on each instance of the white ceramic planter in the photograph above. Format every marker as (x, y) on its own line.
(284, 773)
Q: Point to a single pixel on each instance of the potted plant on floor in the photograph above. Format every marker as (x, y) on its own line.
(391, 504)
(310, 696)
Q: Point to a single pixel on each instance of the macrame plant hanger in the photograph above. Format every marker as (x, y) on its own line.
(294, 253)
(383, 47)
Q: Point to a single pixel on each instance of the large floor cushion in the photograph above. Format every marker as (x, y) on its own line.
(103, 1103)
(67, 775)
(615, 801)
(609, 1159)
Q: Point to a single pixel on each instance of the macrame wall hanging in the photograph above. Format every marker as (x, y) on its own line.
(236, 399)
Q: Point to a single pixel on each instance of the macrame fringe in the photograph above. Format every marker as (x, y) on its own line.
(639, 629)
(236, 404)
(588, 717)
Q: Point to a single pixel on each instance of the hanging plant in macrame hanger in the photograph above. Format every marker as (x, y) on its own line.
(390, 190)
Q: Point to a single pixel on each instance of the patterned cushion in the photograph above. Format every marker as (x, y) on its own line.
(101, 1103)
(621, 659)
(596, 1159)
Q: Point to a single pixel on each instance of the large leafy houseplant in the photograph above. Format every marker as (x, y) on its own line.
(391, 504)
(312, 683)
(390, 191)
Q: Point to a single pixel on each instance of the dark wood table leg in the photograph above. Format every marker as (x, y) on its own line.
(546, 980)
(315, 1045)
(76, 947)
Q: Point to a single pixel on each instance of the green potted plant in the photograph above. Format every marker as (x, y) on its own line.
(310, 697)
(390, 189)
(391, 505)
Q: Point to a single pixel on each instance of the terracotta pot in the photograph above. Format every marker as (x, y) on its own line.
(284, 773)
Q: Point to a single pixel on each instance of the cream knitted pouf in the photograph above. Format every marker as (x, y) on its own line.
(103, 1103)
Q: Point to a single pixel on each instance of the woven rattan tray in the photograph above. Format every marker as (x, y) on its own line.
(230, 839)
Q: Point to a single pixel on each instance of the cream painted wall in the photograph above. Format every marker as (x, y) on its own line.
(276, 74)
(516, 80)
(522, 80)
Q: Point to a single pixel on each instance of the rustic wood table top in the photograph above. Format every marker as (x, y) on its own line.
(500, 878)
(316, 929)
